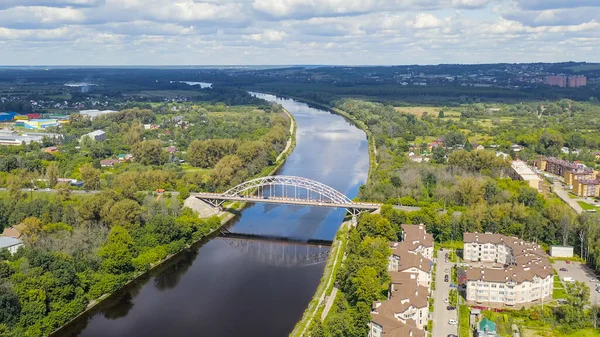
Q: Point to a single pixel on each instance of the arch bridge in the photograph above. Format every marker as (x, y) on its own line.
(287, 190)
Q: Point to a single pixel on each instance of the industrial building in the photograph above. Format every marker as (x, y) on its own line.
(10, 137)
(7, 116)
(40, 124)
(95, 113)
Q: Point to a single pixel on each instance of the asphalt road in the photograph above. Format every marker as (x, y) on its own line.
(441, 315)
(580, 272)
(564, 195)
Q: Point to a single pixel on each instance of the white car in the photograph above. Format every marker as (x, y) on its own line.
(452, 322)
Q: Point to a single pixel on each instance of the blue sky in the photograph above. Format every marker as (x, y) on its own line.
(258, 32)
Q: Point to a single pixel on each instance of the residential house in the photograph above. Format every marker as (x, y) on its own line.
(51, 149)
(486, 328)
(97, 135)
(125, 156)
(10, 243)
(516, 148)
(477, 147)
(109, 162)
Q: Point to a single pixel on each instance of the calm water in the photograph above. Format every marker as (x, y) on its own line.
(232, 287)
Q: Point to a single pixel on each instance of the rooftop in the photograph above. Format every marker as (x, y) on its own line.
(6, 242)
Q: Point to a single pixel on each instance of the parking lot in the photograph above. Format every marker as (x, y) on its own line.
(580, 272)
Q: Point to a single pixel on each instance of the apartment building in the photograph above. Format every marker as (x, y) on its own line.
(577, 81)
(582, 173)
(506, 270)
(405, 312)
(558, 166)
(417, 240)
(559, 81)
(520, 171)
(587, 187)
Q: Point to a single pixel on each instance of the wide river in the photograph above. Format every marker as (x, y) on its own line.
(232, 287)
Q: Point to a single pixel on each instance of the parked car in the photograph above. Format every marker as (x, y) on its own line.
(568, 262)
(598, 289)
(452, 285)
(568, 279)
(563, 269)
(452, 322)
(450, 307)
(452, 335)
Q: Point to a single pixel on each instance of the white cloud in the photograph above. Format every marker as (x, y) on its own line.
(267, 36)
(296, 31)
(426, 20)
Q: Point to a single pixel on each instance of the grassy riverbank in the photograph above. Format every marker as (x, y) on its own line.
(325, 288)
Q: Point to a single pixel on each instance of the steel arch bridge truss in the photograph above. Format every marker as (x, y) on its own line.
(321, 192)
(286, 188)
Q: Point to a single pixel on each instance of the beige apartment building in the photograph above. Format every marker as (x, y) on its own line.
(506, 270)
(405, 312)
(520, 171)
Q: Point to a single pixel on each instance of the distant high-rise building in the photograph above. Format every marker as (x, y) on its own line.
(559, 81)
(577, 81)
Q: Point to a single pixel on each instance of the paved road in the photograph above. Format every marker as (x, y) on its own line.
(580, 272)
(441, 315)
(564, 195)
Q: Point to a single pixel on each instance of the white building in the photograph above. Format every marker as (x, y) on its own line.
(561, 251)
(97, 135)
(12, 244)
(95, 113)
(506, 270)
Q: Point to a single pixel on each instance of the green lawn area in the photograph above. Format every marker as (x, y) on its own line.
(548, 332)
(586, 206)
(463, 320)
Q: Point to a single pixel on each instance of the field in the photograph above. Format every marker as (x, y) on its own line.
(585, 67)
(419, 110)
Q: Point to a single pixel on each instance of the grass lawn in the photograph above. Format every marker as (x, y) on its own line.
(548, 332)
(419, 110)
(586, 206)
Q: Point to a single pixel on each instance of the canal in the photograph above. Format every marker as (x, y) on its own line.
(232, 287)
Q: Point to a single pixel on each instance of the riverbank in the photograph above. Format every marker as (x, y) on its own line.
(326, 286)
(225, 218)
(325, 290)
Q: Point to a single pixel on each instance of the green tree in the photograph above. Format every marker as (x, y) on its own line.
(90, 176)
(150, 152)
(10, 308)
(117, 254)
(52, 174)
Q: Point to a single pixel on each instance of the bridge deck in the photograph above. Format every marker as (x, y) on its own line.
(287, 201)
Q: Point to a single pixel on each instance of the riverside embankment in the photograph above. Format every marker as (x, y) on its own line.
(229, 287)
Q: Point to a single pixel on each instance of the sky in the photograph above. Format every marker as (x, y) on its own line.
(286, 32)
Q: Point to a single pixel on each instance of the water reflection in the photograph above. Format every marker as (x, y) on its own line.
(273, 253)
